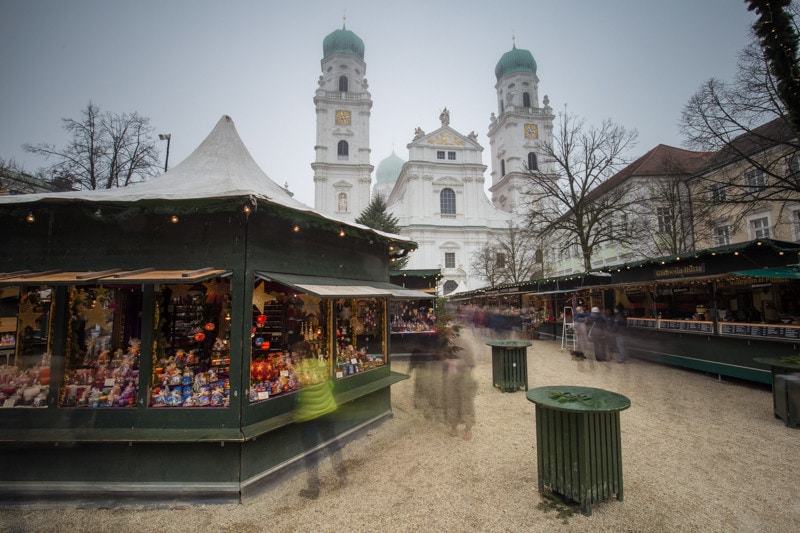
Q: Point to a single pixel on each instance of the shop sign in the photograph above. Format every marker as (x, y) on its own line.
(680, 271)
(761, 285)
(679, 290)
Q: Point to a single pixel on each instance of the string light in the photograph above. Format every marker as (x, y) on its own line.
(174, 219)
(30, 218)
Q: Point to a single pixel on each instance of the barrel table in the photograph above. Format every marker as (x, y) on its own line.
(785, 389)
(509, 364)
(578, 444)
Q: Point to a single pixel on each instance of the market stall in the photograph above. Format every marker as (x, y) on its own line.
(151, 331)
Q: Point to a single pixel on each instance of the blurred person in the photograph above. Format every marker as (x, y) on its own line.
(620, 332)
(579, 319)
(597, 334)
(314, 405)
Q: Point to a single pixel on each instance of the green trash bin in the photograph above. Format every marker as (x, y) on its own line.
(578, 442)
(509, 364)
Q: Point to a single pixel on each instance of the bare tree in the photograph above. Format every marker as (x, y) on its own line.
(574, 201)
(105, 150)
(518, 254)
(747, 120)
(486, 264)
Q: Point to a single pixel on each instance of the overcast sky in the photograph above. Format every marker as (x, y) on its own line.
(185, 63)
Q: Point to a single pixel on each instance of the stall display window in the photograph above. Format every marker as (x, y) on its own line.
(103, 339)
(286, 327)
(25, 323)
(191, 353)
(412, 316)
(360, 335)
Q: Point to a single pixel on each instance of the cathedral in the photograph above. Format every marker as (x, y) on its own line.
(438, 194)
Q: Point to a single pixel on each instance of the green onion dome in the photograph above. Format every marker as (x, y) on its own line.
(515, 60)
(343, 42)
(389, 169)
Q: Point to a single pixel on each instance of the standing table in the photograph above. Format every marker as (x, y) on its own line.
(578, 444)
(509, 364)
(785, 389)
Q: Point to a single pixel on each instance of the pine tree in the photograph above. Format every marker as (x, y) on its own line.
(377, 217)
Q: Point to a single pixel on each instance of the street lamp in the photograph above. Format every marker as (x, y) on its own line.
(165, 137)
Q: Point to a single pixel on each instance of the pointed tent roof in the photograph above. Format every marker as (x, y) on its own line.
(220, 167)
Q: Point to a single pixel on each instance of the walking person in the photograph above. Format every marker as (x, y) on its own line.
(597, 334)
(620, 332)
(581, 340)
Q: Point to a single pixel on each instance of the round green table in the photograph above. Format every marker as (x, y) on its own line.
(578, 443)
(509, 364)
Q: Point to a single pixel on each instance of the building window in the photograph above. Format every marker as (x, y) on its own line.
(451, 156)
(722, 235)
(664, 219)
(341, 206)
(440, 154)
(793, 164)
(447, 202)
(717, 193)
(526, 99)
(343, 84)
(343, 150)
(755, 180)
(759, 228)
(449, 259)
(796, 224)
(622, 224)
(449, 286)
(532, 163)
(502, 168)
(501, 260)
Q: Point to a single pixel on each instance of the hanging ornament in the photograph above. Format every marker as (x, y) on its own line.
(265, 345)
(261, 319)
(258, 341)
(200, 337)
(210, 326)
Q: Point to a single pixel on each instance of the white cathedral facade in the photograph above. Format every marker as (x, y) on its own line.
(438, 194)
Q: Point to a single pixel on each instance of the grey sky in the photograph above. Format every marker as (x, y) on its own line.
(184, 63)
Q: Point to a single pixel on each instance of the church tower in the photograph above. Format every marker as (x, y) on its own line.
(341, 167)
(519, 129)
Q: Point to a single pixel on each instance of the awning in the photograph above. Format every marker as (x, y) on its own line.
(115, 275)
(787, 272)
(325, 287)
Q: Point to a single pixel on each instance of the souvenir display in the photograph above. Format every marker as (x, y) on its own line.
(25, 346)
(192, 350)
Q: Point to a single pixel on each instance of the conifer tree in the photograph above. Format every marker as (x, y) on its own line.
(377, 217)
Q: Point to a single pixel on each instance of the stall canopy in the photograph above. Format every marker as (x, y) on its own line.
(787, 272)
(325, 287)
(114, 275)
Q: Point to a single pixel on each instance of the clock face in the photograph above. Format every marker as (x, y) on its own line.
(343, 117)
(531, 131)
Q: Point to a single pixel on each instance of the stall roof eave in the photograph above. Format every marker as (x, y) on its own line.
(327, 287)
(113, 276)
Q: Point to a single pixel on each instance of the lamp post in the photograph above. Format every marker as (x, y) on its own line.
(165, 137)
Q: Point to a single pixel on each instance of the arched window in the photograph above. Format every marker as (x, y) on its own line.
(342, 150)
(502, 168)
(343, 84)
(526, 99)
(447, 202)
(532, 163)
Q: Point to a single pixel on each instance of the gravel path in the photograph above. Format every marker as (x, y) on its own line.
(699, 454)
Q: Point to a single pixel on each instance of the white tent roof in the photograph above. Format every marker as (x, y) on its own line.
(221, 167)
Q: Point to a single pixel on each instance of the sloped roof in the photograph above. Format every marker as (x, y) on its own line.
(763, 137)
(663, 160)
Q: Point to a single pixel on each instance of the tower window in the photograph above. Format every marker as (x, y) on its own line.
(526, 99)
(532, 163)
(502, 168)
(449, 260)
(447, 202)
(343, 150)
(343, 84)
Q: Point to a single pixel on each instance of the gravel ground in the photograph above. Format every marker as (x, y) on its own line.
(699, 454)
